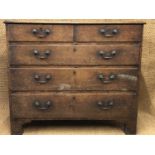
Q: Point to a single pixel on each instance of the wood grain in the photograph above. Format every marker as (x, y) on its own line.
(91, 33)
(22, 79)
(73, 105)
(89, 76)
(147, 91)
(23, 32)
(126, 54)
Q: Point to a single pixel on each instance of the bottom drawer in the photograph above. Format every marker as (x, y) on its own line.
(58, 105)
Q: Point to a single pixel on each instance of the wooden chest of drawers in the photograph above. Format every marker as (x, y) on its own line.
(74, 71)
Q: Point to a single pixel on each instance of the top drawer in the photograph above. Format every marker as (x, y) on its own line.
(114, 32)
(40, 32)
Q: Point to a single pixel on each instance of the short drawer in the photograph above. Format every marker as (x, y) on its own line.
(94, 105)
(40, 32)
(113, 54)
(100, 33)
(95, 78)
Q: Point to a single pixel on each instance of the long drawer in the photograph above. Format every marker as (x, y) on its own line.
(113, 54)
(53, 105)
(95, 78)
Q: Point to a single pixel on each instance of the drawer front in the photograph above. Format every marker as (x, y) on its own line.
(113, 54)
(73, 105)
(73, 79)
(99, 33)
(38, 32)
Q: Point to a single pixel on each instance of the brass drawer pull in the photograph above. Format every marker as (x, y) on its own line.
(41, 33)
(107, 55)
(109, 32)
(42, 79)
(42, 106)
(43, 55)
(107, 79)
(105, 105)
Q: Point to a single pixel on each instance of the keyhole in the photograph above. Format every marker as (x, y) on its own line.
(74, 72)
(74, 49)
(41, 29)
(72, 103)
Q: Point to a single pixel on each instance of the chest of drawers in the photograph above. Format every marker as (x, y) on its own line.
(73, 71)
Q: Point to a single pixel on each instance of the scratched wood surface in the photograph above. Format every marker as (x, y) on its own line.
(74, 55)
(146, 117)
(70, 79)
(73, 105)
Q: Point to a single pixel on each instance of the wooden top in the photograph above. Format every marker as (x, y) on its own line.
(75, 21)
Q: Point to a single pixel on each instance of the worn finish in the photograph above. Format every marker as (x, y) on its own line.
(73, 79)
(73, 105)
(100, 33)
(24, 32)
(74, 71)
(75, 55)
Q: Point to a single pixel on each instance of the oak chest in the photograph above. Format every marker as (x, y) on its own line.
(74, 71)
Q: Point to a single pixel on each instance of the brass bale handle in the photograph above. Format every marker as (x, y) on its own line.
(41, 33)
(42, 79)
(109, 32)
(107, 79)
(43, 105)
(43, 55)
(107, 55)
(105, 105)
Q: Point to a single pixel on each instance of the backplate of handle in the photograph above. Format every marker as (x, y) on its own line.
(42, 79)
(107, 78)
(105, 105)
(107, 55)
(42, 55)
(41, 33)
(42, 105)
(109, 32)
